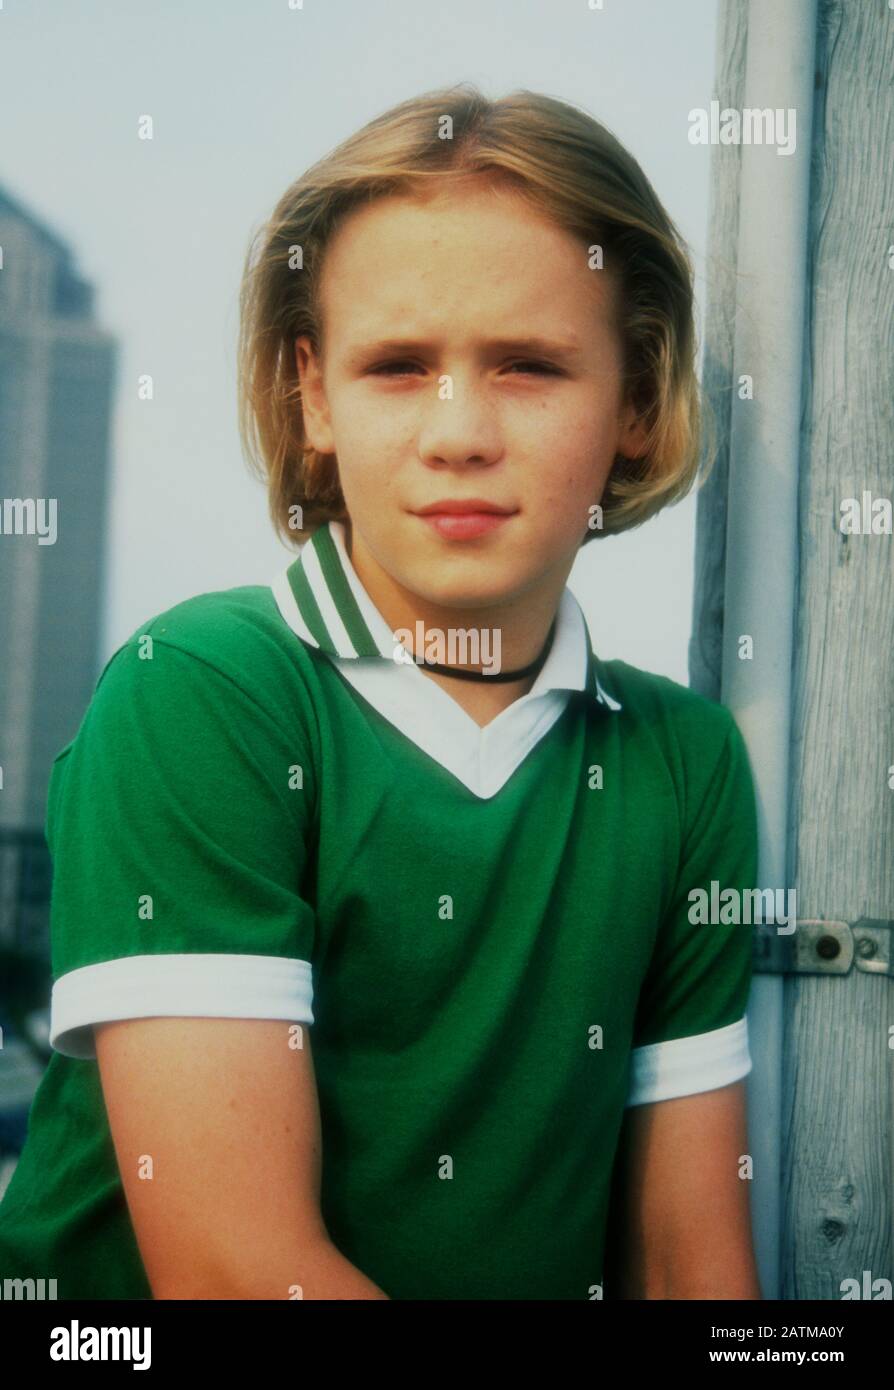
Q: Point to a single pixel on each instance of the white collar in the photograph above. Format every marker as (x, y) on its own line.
(322, 600)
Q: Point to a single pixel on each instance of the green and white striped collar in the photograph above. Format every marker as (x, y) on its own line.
(324, 603)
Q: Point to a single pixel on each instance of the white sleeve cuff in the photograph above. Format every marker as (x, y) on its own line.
(685, 1066)
(189, 985)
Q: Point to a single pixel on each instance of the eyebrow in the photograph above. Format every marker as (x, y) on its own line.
(558, 348)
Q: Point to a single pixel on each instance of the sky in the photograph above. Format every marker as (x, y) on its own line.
(244, 95)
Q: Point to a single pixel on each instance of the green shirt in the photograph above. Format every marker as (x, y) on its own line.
(488, 931)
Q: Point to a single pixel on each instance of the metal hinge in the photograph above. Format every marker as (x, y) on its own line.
(816, 947)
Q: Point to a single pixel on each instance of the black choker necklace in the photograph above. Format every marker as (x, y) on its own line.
(461, 675)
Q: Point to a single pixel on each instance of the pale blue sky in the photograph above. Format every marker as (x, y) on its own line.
(244, 95)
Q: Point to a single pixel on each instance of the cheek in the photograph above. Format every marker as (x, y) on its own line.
(373, 437)
(352, 416)
(580, 424)
(366, 437)
(369, 480)
(575, 479)
(580, 452)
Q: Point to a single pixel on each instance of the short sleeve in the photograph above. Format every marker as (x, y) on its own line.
(178, 821)
(690, 1032)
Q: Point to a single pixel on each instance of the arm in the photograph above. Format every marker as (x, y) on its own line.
(684, 1230)
(228, 1113)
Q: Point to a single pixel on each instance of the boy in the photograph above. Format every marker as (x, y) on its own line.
(370, 958)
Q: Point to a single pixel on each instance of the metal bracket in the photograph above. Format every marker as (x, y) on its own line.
(818, 947)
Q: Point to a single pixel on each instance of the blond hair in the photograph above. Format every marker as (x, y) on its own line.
(569, 167)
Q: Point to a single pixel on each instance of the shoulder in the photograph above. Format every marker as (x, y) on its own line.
(217, 680)
(692, 739)
(205, 665)
(235, 636)
(675, 715)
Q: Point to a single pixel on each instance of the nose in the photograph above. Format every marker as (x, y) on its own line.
(459, 424)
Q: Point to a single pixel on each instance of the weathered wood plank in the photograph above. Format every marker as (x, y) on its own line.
(838, 1072)
(723, 223)
(837, 1069)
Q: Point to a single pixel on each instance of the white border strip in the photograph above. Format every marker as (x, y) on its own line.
(285, 602)
(609, 700)
(685, 1066)
(332, 619)
(381, 633)
(187, 985)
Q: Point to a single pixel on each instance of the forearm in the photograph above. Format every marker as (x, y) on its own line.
(319, 1272)
(684, 1223)
(328, 1274)
(695, 1274)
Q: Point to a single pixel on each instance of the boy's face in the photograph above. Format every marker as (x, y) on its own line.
(431, 387)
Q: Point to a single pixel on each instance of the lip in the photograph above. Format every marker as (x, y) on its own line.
(464, 506)
(465, 526)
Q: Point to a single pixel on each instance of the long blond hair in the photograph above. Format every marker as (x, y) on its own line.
(568, 166)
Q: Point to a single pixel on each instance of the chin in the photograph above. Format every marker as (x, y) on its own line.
(469, 590)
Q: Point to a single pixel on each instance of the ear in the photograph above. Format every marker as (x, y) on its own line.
(632, 434)
(314, 406)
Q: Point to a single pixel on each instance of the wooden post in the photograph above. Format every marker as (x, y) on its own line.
(837, 1064)
(705, 645)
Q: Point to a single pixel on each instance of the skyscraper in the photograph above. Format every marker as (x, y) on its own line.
(57, 377)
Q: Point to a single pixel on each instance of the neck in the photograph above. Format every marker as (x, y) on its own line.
(496, 638)
(480, 701)
(499, 637)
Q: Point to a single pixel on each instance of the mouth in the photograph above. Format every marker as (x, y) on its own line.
(464, 506)
(464, 519)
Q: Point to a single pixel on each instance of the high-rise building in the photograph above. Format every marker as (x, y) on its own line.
(57, 378)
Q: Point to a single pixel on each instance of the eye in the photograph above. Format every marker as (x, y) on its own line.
(391, 368)
(539, 368)
(405, 368)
